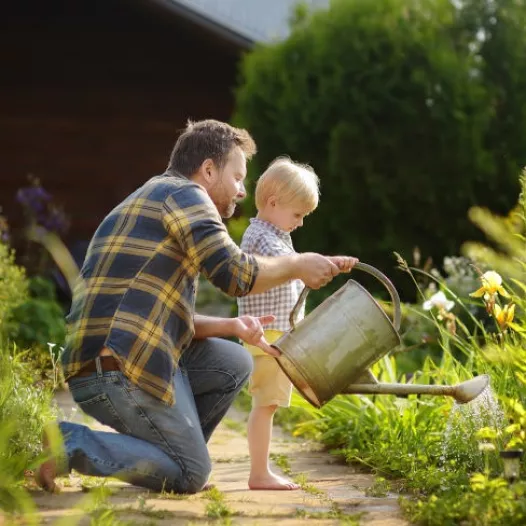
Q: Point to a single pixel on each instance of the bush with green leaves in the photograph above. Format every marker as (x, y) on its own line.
(487, 502)
(13, 287)
(411, 111)
(447, 454)
(38, 320)
(25, 408)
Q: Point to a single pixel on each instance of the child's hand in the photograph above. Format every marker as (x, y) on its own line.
(250, 330)
(344, 263)
(265, 346)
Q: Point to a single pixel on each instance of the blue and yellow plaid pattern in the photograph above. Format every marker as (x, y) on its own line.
(136, 290)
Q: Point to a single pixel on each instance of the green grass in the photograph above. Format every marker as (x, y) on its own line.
(282, 462)
(379, 488)
(403, 439)
(335, 513)
(24, 410)
(217, 508)
(234, 425)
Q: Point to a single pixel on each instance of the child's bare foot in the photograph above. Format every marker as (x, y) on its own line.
(271, 481)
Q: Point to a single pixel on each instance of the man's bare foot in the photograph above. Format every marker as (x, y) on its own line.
(271, 481)
(46, 473)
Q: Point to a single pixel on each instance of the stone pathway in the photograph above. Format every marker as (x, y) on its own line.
(331, 493)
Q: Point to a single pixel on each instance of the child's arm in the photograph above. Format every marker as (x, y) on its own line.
(246, 328)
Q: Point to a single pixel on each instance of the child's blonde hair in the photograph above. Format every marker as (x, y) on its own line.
(291, 182)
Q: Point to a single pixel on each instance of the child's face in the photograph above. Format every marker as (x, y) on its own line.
(288, 216)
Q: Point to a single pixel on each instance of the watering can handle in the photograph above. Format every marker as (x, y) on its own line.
(397, 313)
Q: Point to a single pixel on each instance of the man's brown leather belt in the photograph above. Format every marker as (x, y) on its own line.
(107, 363)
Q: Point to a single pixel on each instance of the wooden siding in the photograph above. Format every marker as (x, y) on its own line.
(92, 94)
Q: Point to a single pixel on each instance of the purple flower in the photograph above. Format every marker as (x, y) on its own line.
(40, 209)
(33, 197)
(21, 196)
(55, 221)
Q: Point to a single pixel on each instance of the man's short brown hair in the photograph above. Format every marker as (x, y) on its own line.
(208, 139)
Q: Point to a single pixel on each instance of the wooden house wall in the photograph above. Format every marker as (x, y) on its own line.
(92, 95)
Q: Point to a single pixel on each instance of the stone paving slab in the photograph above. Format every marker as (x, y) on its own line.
(333, 493)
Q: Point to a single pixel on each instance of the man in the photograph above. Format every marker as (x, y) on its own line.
(138, 358)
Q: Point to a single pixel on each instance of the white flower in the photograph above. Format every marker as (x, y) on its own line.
(439, 301)
(486, 446)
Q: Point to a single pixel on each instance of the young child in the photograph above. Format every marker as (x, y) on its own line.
(285, 194)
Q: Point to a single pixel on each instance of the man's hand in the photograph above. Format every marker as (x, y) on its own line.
(344, 263)
(317, 270)
(250, 330)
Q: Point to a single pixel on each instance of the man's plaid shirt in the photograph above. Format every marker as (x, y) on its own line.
(265, 239)
(136, 291)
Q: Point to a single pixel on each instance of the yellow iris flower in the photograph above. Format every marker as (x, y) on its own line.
(491, 286)
(504, 316)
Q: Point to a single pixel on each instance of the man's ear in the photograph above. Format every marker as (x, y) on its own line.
(207, 171)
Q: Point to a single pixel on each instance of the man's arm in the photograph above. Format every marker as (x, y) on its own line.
(190, 217)
(313, 269)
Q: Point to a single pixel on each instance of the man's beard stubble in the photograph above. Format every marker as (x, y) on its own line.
(225, 206)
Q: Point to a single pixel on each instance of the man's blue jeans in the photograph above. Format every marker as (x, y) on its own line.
(157, 446)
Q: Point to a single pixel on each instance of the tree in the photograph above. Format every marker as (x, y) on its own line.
(390, 102)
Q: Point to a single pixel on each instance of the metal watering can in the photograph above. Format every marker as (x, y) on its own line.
(330, 350)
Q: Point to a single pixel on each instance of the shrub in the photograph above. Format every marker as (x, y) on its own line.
(396, 104)
(25, 407)
(39, 319)
(448, 455)
(13, 286)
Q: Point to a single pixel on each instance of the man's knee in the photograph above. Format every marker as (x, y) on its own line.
(246, 363)
(234, 358)
(196, 480)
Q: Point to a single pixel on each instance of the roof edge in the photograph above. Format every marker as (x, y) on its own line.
(206, 23)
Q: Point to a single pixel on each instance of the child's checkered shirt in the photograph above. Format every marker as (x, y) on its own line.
(265, 239)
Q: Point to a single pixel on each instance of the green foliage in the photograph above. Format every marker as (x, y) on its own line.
(401, 436)
(13, 286)
(408, 116)
(13, 497)
(236, 227)
(380, 488)
(508, 236)
(39, 319)
(489, 502)
(24, 410)
(448, 455)
(217, 508)
(23, 401)
(495, 32)
(419, 332)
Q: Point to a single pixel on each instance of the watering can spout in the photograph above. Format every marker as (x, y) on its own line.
(462, 393)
